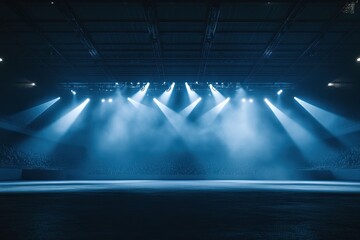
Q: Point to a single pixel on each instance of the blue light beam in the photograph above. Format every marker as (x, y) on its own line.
(188, 110)
(193, 96)
(219, 98)
(62, 125)
(165, 97)
(212, 114)
(335, 124)
(27, 116)
(139, 96)
(308, 144)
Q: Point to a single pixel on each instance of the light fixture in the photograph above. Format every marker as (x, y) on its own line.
(73, 92)
(279, 92)
(358, 59)
(1, 59)
(33, 84)
(110, 100)
(331, 84)
(251, 100)
(103, 100)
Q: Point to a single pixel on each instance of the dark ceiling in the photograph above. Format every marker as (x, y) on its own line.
(302, 42)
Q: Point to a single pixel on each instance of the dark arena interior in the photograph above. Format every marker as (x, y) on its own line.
(234, 119)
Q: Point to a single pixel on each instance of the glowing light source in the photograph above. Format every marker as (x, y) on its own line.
(251, 100)
(191, 93)
(1, 59)
(139, 96)
(243, 100)
(110, 100)
(279, 92)
(358, 59)
(331, 84)
(103, 100)
(33, 84)
(217, 95)
(165, 97)
(73, 92)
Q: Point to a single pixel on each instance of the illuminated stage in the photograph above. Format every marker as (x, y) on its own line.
(180, 210)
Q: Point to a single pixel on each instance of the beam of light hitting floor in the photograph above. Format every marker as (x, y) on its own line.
(139, 96)
(165, 97)
(62, 125)
(191, 93)
(174, 118)
(212, 114)
(187, 111)
(309, 145)
(216, 94)
(335, 124)
(26, 117)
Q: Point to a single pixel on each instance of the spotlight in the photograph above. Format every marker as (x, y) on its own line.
(33, 84)
(279, 92)
(73, 92)
(1, 59)
(197, 82)
(251, 100)
(138, 83)
(358, 59)
(103, 100)
(116, 83)
(243, 100)
(171, 87)
(266, 100)
(331, 84)
(110, 100)
(212, 88)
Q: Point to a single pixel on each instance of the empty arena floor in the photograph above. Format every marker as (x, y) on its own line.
(179, 210)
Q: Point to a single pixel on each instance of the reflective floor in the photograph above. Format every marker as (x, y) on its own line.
(179, 210)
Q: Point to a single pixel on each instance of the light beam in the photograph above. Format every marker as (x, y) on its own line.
(165, 97)
(26, 117)
(139, 96)
(193, 96)
(217, 95)
(187, 111)
(335, 124)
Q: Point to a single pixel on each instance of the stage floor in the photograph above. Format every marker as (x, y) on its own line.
(179, 210)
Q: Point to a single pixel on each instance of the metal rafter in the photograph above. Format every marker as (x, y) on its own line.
(319, 36)
(274, 42)
(153, 30)
(20, 11)
(64, 7)
(210, 30)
